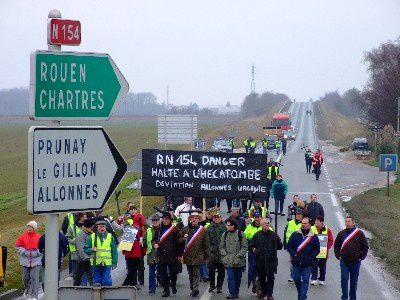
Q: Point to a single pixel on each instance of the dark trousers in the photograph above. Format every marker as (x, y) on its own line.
(194, 277)
(83, 267)
(141, 272)
(229, 204)
(244, 205)
(168, 274)
(308, 167)
(349, 270)
(247, 149)
(133, 264)
(219, 267)
(266, 278)
(280, 204)
(320, 264)
(234, 280)
(301, 277)
(317, 170)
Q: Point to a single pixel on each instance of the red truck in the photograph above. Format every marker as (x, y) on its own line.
(282, 121)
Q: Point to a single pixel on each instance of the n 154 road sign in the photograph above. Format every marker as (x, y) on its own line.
(74, 86)
(71, 169)
(64, 32)
(388, 162)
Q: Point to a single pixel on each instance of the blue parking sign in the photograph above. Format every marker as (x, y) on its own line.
(388, 162)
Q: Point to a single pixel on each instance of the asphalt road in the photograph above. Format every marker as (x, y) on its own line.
(371, 284)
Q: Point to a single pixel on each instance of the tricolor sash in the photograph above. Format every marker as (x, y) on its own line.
(166, 233)
(349, 238)
(189, 243)
(304, 243)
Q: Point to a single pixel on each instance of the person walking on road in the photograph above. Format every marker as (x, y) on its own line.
(151, 235)
(303, 247)
(233, 249)
(30, 259)
(265, 245)
(309, 159)
(246, 144)
(235, 215)
(351, 247)
(83, 267)
(264, 144)
(167, 245)
(279, 191)
(252, 145)
(196, 251)
(284, 145)
(183, 210)
(325, 237)
(317, 162)
(272, 171)
(72, 232)
(278, 146)
(215, 232)
(257, 206)
(314, 208)
(104, 255)
(231, 142)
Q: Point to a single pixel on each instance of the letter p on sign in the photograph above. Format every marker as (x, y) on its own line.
(388, 162)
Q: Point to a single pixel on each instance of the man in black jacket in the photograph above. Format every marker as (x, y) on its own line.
(315, 209)
(265, 245)
(351, 247)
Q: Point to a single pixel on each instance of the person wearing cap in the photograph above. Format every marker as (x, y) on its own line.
(167, 244)
(265, 245)
(183, 210)
(303, 247)
(151, 253)
(72, 231)
(235, 215)
(257, 206)
(250, 231)
(215, 232)
(233, 248)
(30, 259)
(83, 268)
(325, 237)
(63, 250)
(291, 227)
(279, 191)
(102, 247)
(196, 251)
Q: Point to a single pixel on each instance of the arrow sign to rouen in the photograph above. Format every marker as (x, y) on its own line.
(74, 86)
(71, 169)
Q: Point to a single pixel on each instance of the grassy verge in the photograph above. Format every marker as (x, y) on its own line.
(379, 214)
(332, 125)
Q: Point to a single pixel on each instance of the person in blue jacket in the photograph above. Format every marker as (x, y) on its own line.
(303, 246)
(279, 190)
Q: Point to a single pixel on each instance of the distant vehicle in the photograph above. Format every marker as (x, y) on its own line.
(289, 135)
(282, 121)
(221, 144)
(359, 144)
(271, 141)
(199, 144)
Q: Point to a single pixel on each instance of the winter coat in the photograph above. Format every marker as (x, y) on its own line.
(215, 232)
(355, 250)
(279, 189)
(315, 209)
(63, 248)
(233, 250)
(199, 251)
(265, 246)
(28, 249)
(170, 248)
(71, 236)
(80, 241)
(305, 257)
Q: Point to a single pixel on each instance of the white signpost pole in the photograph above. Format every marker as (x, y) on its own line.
(51, 240)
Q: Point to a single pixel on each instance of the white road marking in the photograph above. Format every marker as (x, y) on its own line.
(308, 193)
(206, 295)
(279, 157)
(331, 190)
(340, 219)
(334, 201)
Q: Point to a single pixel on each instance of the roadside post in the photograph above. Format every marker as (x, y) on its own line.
(388, 163)
(66, 164)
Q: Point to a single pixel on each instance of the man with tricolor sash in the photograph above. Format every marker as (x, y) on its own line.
(196, 251)
(303, 247)
(351, 247)
(166, 243)
(325, 237)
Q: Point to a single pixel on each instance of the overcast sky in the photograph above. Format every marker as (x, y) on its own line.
(204, 49)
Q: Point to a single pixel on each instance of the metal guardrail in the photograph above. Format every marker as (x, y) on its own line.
(97, 292)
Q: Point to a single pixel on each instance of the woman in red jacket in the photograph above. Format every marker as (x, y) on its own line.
(134, 256)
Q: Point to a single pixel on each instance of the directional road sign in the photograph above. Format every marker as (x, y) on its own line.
(388, 162)
(71, 169)
(74, 86)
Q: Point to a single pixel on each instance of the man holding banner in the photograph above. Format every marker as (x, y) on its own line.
(303, 247)
(325, 237)
(196, 251)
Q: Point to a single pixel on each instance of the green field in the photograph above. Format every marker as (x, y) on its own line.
(130, 136)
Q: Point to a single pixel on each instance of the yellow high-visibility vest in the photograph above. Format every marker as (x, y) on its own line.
(75, 231)
(103, 253)
(291, 228)
(323, 240)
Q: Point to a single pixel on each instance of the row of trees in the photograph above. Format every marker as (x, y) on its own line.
(345, 103)
(258, 104)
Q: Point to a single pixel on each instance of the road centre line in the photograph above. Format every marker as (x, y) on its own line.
(340, 219)
(334, 201)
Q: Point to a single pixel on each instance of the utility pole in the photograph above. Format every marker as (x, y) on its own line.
(253, 83)
(167, 98)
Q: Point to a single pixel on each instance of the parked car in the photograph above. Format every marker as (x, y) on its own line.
(289, 135)
(221, 145)
(359, 144)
